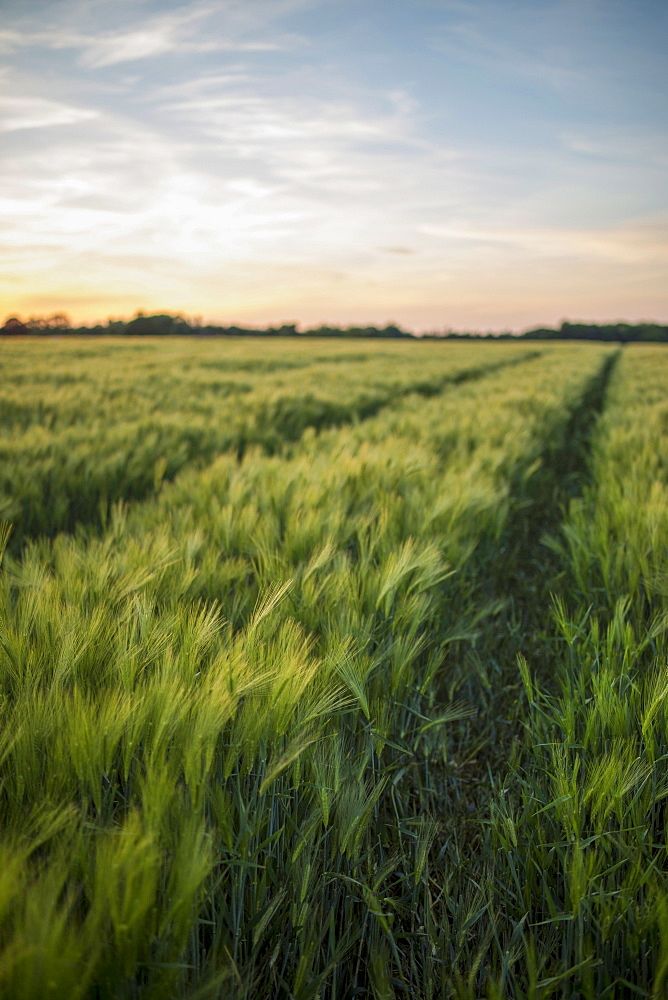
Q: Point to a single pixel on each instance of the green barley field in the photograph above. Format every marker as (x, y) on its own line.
(333, 669)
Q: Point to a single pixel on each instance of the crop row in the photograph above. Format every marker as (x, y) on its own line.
(233, 727)
(99, 425)
(578, 847)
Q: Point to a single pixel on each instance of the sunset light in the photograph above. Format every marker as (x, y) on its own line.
(437, 164)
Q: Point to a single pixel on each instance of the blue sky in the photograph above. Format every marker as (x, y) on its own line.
(477, 165)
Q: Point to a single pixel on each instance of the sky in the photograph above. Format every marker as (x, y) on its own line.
(441, 164)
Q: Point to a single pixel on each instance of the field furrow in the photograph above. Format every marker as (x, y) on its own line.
(98, 427)
(237, 722)
(579, 833)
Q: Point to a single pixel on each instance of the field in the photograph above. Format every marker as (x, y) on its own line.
(333, 669)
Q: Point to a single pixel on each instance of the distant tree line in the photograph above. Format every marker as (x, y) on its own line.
(624, 332)
(621, 332)
(167, 324)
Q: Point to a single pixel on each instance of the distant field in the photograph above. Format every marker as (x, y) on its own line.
(84, 424)
(333, 669)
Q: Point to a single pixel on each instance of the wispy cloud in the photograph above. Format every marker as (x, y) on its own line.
(194, 28)
(647, 149)
(639, 241)
(312, 159)
(17, 113)
(521, 42)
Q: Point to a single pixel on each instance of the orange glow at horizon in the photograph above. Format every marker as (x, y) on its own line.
(475, 167)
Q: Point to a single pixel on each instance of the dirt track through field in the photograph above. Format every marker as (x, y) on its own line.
(521, 571)
(528, 568)
(273, 428)
(323, 418)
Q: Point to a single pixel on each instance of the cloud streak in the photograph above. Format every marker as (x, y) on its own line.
(195, 28)
(310, 160)
(17, 113)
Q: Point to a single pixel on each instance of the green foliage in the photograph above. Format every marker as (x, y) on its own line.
(88, 423)
(264, 731)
